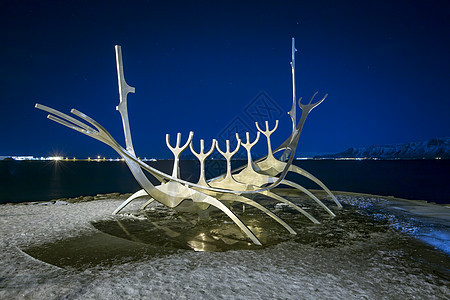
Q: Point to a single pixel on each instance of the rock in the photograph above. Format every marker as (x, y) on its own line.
(59, 202)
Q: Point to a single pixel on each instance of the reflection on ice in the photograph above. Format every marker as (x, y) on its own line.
(159, 228)
(140, 235)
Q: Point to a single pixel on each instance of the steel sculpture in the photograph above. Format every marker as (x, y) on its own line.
(258, 177)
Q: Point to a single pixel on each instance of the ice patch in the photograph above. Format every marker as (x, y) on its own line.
(426, 221)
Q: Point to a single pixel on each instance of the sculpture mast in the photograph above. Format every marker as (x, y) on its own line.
(124, 89)
(292, 113)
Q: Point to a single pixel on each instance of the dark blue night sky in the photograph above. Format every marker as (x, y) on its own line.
(197, 64)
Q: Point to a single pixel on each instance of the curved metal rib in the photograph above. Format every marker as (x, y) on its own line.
(228, 197)
(294, 206)
(300, 171)
(311, 195)
(147, 203)
(138, 194)
(200, 197)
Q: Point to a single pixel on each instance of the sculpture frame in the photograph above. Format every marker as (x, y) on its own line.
(240, 185)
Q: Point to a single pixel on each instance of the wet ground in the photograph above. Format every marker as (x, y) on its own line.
(372, 248)
(158, 231)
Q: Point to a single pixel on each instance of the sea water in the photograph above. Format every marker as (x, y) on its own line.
(25, 181)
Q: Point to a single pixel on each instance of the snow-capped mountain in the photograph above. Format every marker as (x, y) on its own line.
(434, 148)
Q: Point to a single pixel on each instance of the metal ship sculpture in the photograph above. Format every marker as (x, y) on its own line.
(257, 177)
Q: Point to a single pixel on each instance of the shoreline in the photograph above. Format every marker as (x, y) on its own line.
(124, 196)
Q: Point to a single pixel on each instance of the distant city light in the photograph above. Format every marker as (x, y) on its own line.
(56, 158)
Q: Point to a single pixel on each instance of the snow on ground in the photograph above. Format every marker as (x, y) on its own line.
(367, 260)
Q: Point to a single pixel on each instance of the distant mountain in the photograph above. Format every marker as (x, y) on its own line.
(431, 149)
